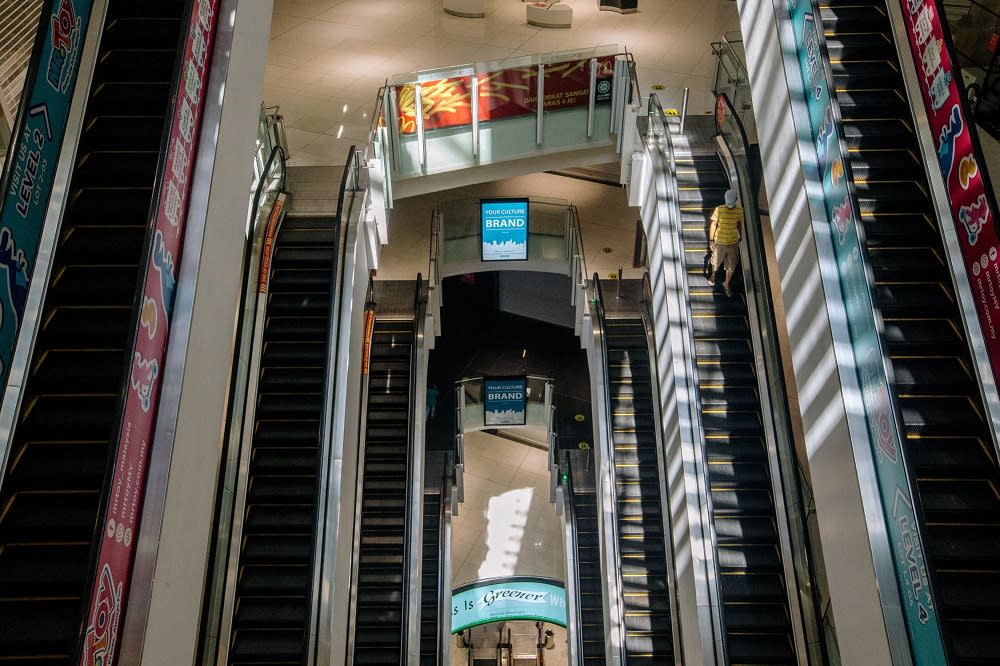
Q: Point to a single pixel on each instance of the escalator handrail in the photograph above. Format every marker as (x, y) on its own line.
(696, 430)
(774, 401)
(599, 323)
(322, 567)
(219, 603)
(412, 526)
(898, 425)
(276, 152)
(574, 608)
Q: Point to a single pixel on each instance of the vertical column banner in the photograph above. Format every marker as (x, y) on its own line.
(109, 593)
(504, 229)
(971, 207)
(919, 611)
(505, 401)
(503, 94)
(34, 151)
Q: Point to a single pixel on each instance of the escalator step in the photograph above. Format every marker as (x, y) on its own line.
(271, 612)
(117, 132)
(37, 570)
(858, 46)
(79, 464)
(95, 286)
(283, 580)
(284, 519)
(745, 530)
(68, 417)
(267, 646)
(733, 422)
(33, 628)
(867, 104)
(286, 432)
(940, 415)
(127, 168)
(969, 594)
(760, 649)
(951, 457)
(753, 617)
(282, 489)
(743, 475)
(972, 547)
(78, 327)
(969, 499)
(751, 587)
(140, 99)
(947, 373)
(974, 642)
(735, 559)
(741, 500)
(284, 461)
(287, 548)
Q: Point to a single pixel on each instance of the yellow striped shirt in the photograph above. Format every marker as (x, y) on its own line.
(727, 227)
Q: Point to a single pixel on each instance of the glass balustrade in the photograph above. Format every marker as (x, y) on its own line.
(451, 118)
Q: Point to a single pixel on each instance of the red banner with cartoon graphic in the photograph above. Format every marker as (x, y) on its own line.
(503, 94)
(970, 205)
(105, 612)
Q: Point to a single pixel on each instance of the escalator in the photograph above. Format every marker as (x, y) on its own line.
(430, 620)
(588, 560)
(756, 622)
(380, 606)
(275, 565)
(63, 436)
(947, 446)
(642, 540)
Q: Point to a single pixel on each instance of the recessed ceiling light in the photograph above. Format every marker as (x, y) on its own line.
(607, 250)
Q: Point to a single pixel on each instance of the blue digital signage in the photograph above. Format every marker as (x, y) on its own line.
(504, 224)
(504, 401)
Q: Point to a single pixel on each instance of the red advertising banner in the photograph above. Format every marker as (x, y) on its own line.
(504, 94)
(114, 563)
(970, 207)
(270, 231)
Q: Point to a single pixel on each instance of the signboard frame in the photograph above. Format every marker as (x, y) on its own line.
(483, 234)
(520, 380)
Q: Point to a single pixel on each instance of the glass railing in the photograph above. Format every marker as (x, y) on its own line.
(732, 79)
(451, 118)
(471, 396)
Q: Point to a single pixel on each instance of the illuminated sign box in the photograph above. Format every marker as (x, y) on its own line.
(504, 401)
(502, 599)
(504, 229)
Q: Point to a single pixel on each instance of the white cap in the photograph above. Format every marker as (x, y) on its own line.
(730, 198)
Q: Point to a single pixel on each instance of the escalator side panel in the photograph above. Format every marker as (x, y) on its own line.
(48, 512)
(947, 444)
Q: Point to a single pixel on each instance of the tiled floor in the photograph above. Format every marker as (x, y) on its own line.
(506, 527)
(327, 58)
